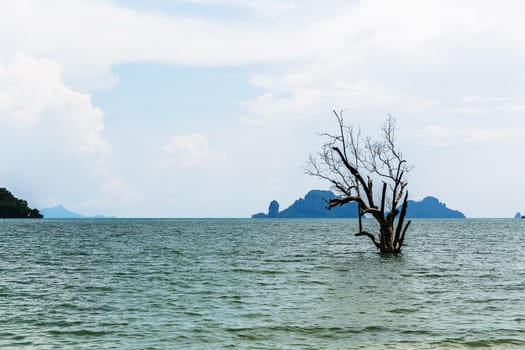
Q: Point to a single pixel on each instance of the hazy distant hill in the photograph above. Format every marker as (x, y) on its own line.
(59, 212)
(313, 205)
(12, 207)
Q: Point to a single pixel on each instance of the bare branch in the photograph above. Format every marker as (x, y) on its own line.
(371, 236)
(351, 163)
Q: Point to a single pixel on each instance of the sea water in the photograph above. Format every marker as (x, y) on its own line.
(259, 284)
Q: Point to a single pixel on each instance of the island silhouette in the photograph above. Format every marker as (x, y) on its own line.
(314, 204)
(15, 208)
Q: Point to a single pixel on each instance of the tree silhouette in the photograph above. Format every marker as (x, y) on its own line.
(351, 163)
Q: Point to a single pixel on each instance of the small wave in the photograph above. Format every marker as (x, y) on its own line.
(318, 331)
(491, 343)
(80, 333)
(255, 271)
(418, 332)
(402, 311)
(61, 324)
(105, 288)
(503, 343)
(374, 329)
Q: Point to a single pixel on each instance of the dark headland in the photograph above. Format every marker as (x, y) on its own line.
(15, 208)
(313, 205)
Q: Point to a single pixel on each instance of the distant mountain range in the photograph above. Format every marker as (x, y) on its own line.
(59, 212)
(313, 205)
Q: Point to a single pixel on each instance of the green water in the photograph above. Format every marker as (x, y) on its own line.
(259, 284)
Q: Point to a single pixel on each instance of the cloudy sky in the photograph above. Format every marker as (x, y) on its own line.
(210, 108)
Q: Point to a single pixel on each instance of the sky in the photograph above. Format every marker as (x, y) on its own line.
(211, 108)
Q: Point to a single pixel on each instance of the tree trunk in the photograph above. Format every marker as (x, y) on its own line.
(351, 163)
(391, 236)
(387, 244)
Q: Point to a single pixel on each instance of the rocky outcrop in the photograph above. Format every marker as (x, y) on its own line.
(273, 209)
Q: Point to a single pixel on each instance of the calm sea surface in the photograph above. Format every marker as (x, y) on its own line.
(259, 284)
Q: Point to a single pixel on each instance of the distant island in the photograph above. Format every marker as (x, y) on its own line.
(313, 205)
(60, 212)
(14, 208)
(431, 208)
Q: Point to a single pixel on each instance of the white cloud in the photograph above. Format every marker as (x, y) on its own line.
(275, 9)
(35, 104)
(480, 99)
(520, 108)
(441, 135)
(51, 135)
(89, 37)
(193, 150)
(185, 178)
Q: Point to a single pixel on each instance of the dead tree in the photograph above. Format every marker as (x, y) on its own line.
(351, 163)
